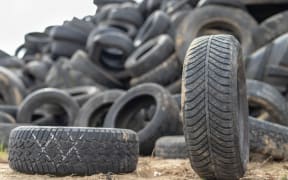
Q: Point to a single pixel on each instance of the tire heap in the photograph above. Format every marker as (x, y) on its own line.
(121, 69)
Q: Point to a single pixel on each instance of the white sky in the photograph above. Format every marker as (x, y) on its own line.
(18, 17)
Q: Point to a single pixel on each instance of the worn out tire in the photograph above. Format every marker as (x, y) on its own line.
(270, 29)
(164, 121)
(269, 99)
(214, 17)
(72, 151)
(268, 139)
(171, 147)
(214, 107)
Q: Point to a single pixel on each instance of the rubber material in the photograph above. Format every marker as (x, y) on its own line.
(72, 151)
(171, 147)
(145, 96)
(214, 107)
(47, 96)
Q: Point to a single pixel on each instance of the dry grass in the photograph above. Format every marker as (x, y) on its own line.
(159, 169)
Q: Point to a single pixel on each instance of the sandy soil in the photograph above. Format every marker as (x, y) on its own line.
(159, 169)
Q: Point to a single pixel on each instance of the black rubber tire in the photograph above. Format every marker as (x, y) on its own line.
(171, 147)
(172, 6)
(156, 24)
(101, 49)
(94, 111)
(219, 19)
(6, 118)
(36, 41)
(11, 87)
(126, 28)
(164, 74)
(107, 2)
(270, 29)
(268, 139)
(37, 70)
(126, 13)
(235, 3)
(68, 34)
(62, 75)
(149, 55)
(269, 64)
(80, 25)
(82, 94)
(177, 97)
(9, 109)
(214, 108)
(11, 62)
(81, 62)
(266, 98)
(165, 117)
(64, 48)
(175, 87)
(64, 151)
(47, 96)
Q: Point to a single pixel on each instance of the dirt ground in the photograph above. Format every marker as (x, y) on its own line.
(159, 169)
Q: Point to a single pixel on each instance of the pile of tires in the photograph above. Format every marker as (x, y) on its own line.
(162, 77)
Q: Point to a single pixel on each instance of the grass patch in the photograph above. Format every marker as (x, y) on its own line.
(3, 154)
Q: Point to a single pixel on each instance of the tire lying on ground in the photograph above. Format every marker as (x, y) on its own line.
(171, 147)
(94, 111)
(164, 118)
(72, 151)
(268, 139)
(266, 103)
(214, 19)
(214, 107)
(47, 96)
(270, 29)
(149, 55)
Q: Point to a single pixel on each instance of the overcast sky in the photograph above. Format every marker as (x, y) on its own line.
(19, 17)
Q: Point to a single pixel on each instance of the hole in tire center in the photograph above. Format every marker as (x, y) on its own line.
(136, 113)
(113, 57)
(220, 27)
(98, 116)
(258, 111)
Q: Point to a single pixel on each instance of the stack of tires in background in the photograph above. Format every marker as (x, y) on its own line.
(122, 68)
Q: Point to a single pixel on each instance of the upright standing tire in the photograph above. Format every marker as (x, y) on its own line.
(72, 151)
(215, 109)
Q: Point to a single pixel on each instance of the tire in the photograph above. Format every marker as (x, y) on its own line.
(64, 48)
(94, 111)
(269, 64)
(64, 151)
(149, 55)
(234, 4)
(165, 116)
(266, 103)
(11, 62)
(84, 93)
(6, 118)
(36, 41)
(81, 62)
(9, 109)
(270, 29)
(268, 139)
(175, 87)
(211, 20)
(82, 26)
(156, 24)
(126, 13)
(110, 49)
(11, 87)
(47, 96)
(124, 27)
(37, 70)
(171, 147)
(68, 34)
(164, 74)
(173, 6)
(214, 108)
(106, 2)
